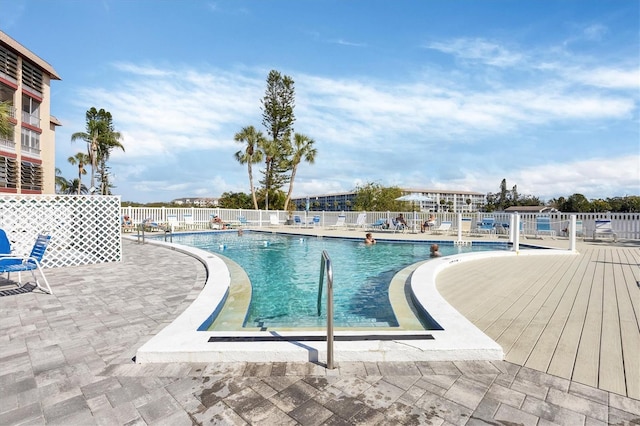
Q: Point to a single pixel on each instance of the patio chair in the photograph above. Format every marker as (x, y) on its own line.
(339, 222)
(397, 226)
(5, 244)
(465, 227)
(242, 221)
(126, 224)
(297, 221)
(444, 228)
(361, 221)
(486, 226)
(543, 226)
(273, 220)
(380, 224)
(315, 221)
(172, 222)
(29, 263)
(603, 228)
(188, 221)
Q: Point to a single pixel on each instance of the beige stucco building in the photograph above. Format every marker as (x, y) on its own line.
(27, 161)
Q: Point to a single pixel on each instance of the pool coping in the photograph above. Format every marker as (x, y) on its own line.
(180, 341)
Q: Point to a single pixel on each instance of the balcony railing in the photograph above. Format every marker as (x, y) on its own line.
(7, 144)
(31, 119)
(30, 150)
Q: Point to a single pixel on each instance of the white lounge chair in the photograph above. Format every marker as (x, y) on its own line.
(603, 228)
(361, 221)
(188, 221)
(273, 220)
(340, 222)
(444, 228)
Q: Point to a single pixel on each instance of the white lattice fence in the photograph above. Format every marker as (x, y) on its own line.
(84, 229)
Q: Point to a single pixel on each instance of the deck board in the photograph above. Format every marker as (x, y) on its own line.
(573, 317)
(542, 353)
(612, 369)
(563, 359)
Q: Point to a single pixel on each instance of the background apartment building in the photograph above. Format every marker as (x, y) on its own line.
(441, 200)
(27, 161)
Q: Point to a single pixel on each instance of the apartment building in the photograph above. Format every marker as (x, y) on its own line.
(27, 160)
(441, 200)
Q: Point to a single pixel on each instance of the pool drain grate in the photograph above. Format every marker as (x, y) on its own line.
(354, 338)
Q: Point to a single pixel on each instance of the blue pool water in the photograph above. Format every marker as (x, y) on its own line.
(284, 272)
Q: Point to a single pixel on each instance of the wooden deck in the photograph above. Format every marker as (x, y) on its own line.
(576, 317)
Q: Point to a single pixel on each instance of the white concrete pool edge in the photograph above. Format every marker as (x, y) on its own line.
(459, 340)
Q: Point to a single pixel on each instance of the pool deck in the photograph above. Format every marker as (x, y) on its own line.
(568, 326)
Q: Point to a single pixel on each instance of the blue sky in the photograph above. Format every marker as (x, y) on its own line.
(442, 94)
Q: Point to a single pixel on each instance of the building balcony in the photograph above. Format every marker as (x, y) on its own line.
(7, 145)
(35, 152)
(31, 119)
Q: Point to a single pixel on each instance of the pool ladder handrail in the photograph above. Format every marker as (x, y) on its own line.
(325, 264)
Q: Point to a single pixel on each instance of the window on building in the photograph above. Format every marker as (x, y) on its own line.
(30, 142)
(30, 111)
(8, 172)
(9, 65)
(30, 176)
(32, 77)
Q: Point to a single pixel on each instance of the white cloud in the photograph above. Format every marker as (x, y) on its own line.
(478, 50)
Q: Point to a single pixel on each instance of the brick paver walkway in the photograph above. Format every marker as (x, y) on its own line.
(66, 359)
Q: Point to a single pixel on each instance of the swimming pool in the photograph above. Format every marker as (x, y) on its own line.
(284, 273)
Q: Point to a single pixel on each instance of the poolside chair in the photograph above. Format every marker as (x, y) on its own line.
(487, 225)
(315, 221)
(444, 228)
(465, 227)
(297, 221)
(603, 228)
(397, 226)
(273, 220)
(5, 244)
(126, 224)
(188, 221)
(150, 224)
(29, 263)
(339, 222)
(242, 221)
(543, 226)
(361, 220)
(380, 224)
(172, 222)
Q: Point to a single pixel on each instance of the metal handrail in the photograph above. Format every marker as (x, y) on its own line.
(325, 263)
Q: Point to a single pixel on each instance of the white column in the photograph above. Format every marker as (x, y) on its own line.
(516, 233)
(572, 233)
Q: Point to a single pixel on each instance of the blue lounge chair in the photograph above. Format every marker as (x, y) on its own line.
(379, 224)
(5, 245)
(29, 263)
(543, 226)
(486, 226)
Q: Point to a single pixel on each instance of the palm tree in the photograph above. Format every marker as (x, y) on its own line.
(302, 149)
(62, 184)
(101, 138)
(6, 128)
(251, 154)
(80, 159)
(109, 140)
(77, 187)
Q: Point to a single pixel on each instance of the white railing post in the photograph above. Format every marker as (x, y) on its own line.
(459, 218)
(516, 233)
(572, 233)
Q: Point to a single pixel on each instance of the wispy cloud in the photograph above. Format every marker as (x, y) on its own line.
(479, 50)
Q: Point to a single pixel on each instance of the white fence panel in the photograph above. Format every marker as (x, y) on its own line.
(84, 229)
